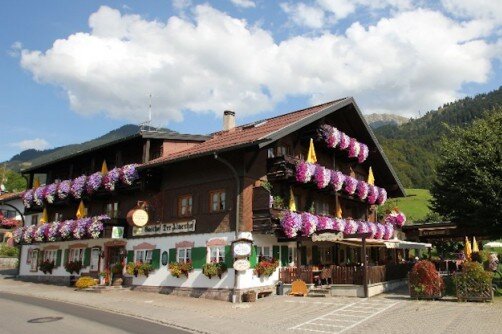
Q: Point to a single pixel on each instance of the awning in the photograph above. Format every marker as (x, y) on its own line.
(390, 244)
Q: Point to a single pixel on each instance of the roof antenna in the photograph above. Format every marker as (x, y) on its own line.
(150, 110)
(147, 126)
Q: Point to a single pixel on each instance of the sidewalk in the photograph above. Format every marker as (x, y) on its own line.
(390, 313)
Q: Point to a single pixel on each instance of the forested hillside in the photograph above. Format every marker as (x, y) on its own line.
(412, 147)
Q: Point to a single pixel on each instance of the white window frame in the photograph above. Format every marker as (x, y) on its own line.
(76, 254)
(50, 255)
(184, 254)
(216, 254)
(262, 252)
(143, 255)
(112, 209)
(291, 255)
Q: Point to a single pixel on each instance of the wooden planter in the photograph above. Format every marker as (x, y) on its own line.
(249, 297)
(484, 296)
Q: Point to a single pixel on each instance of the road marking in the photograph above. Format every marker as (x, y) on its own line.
(308, 302)
(310, 321)
(371, 316)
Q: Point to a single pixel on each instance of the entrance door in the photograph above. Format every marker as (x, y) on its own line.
(95, 255)
(114, 256)
(34, 260)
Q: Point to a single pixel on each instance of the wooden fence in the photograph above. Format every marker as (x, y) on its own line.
(346, 275)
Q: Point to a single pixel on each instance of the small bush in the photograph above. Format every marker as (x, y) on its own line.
(85, 282)
(117, 268)
(7, 251)
(473, 280)
(180, 268)
(73, 266)
(425, 280)
(46, 266)
(139, 268)
(214, 269)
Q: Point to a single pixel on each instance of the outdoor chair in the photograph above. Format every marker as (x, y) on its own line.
(326, 276)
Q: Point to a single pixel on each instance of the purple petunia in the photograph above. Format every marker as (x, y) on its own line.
(380, 231)
(322, 177)
(372, 228)
(350, 185)
(363, 153)
(77, 186)
(80, 228)
(362, 190)
(372, 194)
(291, 223)
(382, 196)
(64, 189)
(339, 224)
(29, 233)
(95, 228)
(50, 192)
(309, 223)
(66, 228)
(354, 148)
(39, 234)
(111, 178)
(337, 180)
(331, 135)
(362, 227)
(53, 231)
(395, 218)
(94, 182)
(28, 198)
(344, 141)
(304, 172)
(17, 234)
(38, 196)
(350, 226)
(129, 174)
(324, 223)
(389, 232)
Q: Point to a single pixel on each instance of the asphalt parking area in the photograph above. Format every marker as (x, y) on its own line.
(345, 316)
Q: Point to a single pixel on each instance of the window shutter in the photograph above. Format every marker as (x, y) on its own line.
(66, 255)
(40, 257)
(229, 258)
(87, 257)
(156, 258)
(315, 255)
(198, 257)
(275, 252)
(172, 255)
(253, 258)
(58, 258)
(130, 256)
(303, 255)
(284, 256)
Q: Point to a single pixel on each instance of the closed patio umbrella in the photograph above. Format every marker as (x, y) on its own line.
(467, 249)
(475, 247)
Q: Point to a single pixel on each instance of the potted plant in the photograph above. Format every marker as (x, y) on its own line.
(473, 283)
(214, 269)
(278, 203)
(266, 267)
(102, 277)
(425, 281)
(73, 266)
(47, 266)
(139, 268)
(180, 268)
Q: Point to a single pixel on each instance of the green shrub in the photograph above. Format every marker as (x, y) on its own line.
(425, 280)
(214, 269)
(180, 268)
(85, 282)
(473, 280)
(7, 251)
(139, 268)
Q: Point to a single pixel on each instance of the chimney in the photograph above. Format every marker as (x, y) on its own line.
(228, 120)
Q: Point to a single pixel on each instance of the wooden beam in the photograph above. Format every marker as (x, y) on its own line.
(365, 270)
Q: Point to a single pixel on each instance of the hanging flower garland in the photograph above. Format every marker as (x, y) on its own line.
(64, 188)
(372, 227)
(350, 226)
(339, 224)
(382, 196)
(389, 232)
(362, 190)
(305, 171)
(291, 223)
(129, 174)
(53, 231)
(324, 223)
(50, 192)
(17, 234)
(38, 196)
(78, 186)
(379, 232)
(372, 194)
(322, 177)
(29, 234)
(395, 218)
(350, 185)
(337, 180)
(39, 234)
(80, 229)
(28, 198)
(309, 223)
(334, 137)
(66, 229)
(362, 227)
(111, 178)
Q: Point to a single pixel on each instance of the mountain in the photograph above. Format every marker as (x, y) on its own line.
(27, 157)
(379, 120)
(412, 147)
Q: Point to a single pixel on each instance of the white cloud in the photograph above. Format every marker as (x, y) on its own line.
(305, 15)
(244, 3)
(37, 144)
(480, 9)
(414, 60)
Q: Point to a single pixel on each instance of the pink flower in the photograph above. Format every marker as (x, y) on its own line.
(324, 223)
(304, 172)
(363, 153)
(362, 190)
(380, 231)
(372, 194)
(322, 177)
(354, 148)
(382, 196)
(339, 224)
(337, 179)
(291, 223)
(350, 226)
(344, 141)
(309, 224)
(350, 185)
(389, 232)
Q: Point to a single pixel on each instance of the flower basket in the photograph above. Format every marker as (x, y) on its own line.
(425, 281)
(73, 267)
(473, 283)
(180, 268)
(265, 268)
(214, 269)
(47, 266)
(139, 268)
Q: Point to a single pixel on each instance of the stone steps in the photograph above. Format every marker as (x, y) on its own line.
(318, 292)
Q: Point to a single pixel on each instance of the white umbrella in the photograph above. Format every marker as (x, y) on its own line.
(493, 244)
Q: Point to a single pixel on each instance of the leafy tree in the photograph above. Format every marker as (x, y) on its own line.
(13, 181)
(468, 188)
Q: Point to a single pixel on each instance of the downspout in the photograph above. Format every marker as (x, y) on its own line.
(237, 215)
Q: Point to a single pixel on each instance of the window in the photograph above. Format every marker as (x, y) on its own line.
(50, 255)
(34, 219)
(58, 216)
(265, 252)
(217, 199)
(112, 209)
(184, 255)
(326, 255)
(291, 255)
(282, 150)
(185, 205)
(322, 207)
(270, 153)
(76, 254)
(144, 255)
(217, 254)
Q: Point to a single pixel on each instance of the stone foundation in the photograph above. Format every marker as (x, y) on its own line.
(8, 263)
(50, 279)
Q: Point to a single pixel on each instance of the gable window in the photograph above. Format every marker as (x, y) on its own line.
(143, 255)
(184, 205)
(217, 199)
(76, 254)
(184, 255)
(217, 254)
(112, 209)
(50, 255)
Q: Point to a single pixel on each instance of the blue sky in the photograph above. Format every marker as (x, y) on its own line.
(259, 58)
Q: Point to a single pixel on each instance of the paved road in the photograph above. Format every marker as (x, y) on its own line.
(24, 314)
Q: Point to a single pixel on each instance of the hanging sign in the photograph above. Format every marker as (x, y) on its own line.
(139, 217)
(117, 232)
(241, 265)
(242, 249)
(333, 237)
(166, 228)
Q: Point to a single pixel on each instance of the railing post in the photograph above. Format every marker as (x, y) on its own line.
(365, 268)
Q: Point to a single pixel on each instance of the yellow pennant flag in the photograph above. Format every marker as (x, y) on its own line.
(371, 178)
(292, 203)
(475, 247)
(338, 208)
(45, 217)
(81, 211)
(104, 168)
(36, 183)
(311, 157)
